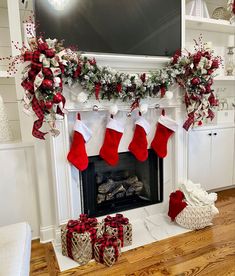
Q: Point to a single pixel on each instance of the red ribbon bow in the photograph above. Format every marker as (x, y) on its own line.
(117, 222)
(107, 241)
(92, 222)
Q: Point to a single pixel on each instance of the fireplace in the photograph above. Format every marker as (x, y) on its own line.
(130, 184)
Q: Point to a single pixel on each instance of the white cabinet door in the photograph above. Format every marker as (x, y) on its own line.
(221, 158)
(199, 156)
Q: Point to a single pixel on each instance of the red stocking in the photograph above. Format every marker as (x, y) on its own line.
(139, 144)
(165, 128)
(77, 154)
(113, 135)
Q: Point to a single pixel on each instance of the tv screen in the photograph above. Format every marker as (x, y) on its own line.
(138, 27)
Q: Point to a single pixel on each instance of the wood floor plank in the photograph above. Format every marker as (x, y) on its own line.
(207, 252)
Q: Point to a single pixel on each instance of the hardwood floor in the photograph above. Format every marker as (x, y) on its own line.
(210, 251)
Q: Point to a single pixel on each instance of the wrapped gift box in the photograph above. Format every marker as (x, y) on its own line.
(78, 238)
(107, 249)
(119, 227)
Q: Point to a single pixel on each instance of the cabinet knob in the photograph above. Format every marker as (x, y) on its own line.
(209, 134)
(215, 133)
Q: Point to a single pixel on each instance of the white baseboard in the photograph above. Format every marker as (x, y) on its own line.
(47, 234)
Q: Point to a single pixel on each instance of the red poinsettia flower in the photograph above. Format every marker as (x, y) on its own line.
(77, 72)
(143, 77)
(92, 61)
(119, 87)
(215, 64)
(43, 47)
(197, 57)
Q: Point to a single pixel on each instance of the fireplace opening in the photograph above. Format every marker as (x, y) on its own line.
(130, 184)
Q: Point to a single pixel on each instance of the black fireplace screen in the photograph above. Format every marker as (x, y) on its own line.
(130, 184)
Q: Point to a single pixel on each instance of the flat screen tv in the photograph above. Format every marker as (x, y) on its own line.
(136, 27)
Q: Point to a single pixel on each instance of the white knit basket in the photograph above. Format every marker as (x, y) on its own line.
(195, 217)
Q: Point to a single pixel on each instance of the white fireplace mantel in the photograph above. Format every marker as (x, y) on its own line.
(66, 179)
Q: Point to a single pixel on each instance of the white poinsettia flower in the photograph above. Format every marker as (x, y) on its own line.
(138, 82)
(91, 74)
(127, 82)
(208, 64)
(51, 42)
(57, 81)
(203, 71)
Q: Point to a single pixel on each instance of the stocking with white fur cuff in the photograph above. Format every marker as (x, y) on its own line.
(165, 128)
(77, 154)
(139, 145)
(113, 135)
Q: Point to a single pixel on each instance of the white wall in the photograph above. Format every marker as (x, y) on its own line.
(18, 190)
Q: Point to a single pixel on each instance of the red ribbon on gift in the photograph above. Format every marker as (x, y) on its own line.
(117, 222)
(92, 222)
(79, 227)
(107, 241)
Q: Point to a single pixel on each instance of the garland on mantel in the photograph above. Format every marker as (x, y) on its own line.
(48, 66)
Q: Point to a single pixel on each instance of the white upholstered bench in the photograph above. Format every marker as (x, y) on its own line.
(15, 249)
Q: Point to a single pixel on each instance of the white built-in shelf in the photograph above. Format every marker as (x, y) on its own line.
(15, 145)
(209, 24)
(213, 126)
(225, 78)
(5, 74)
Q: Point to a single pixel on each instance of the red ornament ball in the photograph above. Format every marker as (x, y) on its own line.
(195, 81)
(47, 84)
(57, 98)
(48, 104)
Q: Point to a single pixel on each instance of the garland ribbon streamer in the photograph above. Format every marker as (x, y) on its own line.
(38, 123)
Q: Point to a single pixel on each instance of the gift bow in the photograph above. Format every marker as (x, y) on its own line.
(89, 221)
(117, 222)
(107, 241)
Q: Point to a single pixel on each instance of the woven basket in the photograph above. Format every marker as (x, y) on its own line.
(81, 246)
(109, 253)
(195, 217)
(127, 233)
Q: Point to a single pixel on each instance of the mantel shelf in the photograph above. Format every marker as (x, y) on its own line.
(224, 78)
(104, 105)
(209, 24)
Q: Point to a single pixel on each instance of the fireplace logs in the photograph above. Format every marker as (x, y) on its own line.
(115, 188)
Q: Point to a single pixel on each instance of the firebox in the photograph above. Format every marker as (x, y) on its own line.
(130, 184)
